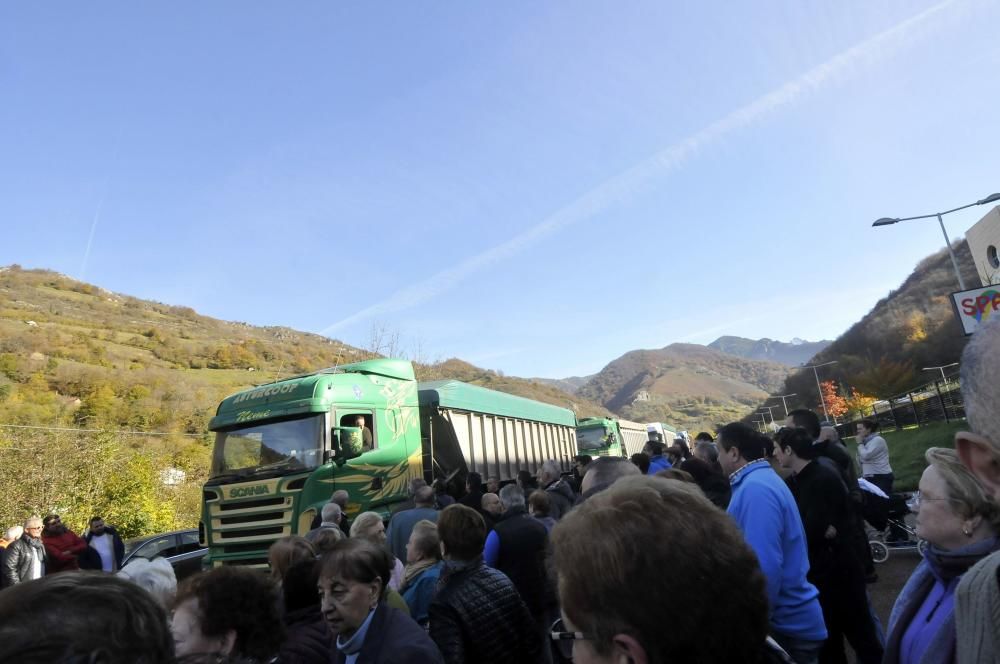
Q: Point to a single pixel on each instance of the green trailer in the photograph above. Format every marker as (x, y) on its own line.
(281, 449)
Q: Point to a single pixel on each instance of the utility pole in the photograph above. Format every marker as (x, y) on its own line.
(822, 401)
(944, 378)
(784, 404)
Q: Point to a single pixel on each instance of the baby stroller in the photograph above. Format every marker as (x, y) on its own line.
(887, 517)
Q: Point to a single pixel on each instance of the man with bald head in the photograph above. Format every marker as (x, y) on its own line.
(604, 471)
(977, 600)
(402, 523)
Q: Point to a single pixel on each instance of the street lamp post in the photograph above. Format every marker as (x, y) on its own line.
(886, 221)
(784, 404)
(941, 369)
(819, 389)
(769, 409)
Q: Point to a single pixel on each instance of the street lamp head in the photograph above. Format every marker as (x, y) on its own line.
(885, 221)
(989, 199)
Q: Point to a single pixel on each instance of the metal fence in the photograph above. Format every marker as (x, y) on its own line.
(939, 401)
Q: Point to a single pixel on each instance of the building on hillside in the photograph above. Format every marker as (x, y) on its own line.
(641, 395)
(984, 243)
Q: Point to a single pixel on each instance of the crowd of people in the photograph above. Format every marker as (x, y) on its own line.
(746, 548)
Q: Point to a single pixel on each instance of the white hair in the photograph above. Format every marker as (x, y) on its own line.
(340, 496)
(511, 496)
(13, 533)
(980, 387)
(331, 513)
(364, 522)
(155, 576)
(551, 468)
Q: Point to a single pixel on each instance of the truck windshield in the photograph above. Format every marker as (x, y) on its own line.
(593, 438)
(278, 446)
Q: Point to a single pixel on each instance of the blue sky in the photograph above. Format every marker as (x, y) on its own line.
(534, 187)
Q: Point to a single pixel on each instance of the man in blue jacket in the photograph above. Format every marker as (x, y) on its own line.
(764, 509)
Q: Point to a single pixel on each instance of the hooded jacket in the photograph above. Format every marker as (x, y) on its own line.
(561, 498)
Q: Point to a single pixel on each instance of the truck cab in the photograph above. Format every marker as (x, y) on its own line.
(281, 449)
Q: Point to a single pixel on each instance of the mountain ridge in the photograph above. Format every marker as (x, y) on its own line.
(794, 353)
(688, 385)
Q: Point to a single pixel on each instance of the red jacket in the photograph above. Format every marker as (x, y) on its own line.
(63, 551)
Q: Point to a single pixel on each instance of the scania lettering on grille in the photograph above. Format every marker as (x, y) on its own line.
(244, 491)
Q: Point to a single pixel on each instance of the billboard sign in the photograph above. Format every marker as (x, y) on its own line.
(975, 307)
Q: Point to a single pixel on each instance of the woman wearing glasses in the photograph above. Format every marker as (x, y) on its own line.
(960, 522)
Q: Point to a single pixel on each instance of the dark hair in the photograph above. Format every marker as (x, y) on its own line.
(540, 502)
(358, 559)
(647, 525)
(706, 436)
(641, 459)
(463, 532)
(682, 447)
(583, 458)
(655, 446)
(424, 497)
(299, 586)
(807, 420)
(95, 518)
(83, 616)
(240, 599)
(871, 425)
(743, 438)
(49, 518)
(798, 440)
(675, 474)
(699, 470)
(474, 480)
(768, 445)
(526, 479)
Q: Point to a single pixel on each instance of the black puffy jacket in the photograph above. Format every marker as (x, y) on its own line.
(477, 616)
(308, 638)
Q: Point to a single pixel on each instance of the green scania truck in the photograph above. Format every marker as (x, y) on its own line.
(605, 436)
(283, 448)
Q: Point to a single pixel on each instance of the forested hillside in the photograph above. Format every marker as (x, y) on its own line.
(105, 398)
(686, 385)
(882, 355)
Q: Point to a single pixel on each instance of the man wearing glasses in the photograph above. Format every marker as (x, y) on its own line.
(62, 545)
(25, 559)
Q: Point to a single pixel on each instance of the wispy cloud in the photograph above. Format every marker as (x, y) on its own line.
(627, 183)
(105, 188)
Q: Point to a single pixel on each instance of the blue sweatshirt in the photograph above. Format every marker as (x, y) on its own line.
(765, 511)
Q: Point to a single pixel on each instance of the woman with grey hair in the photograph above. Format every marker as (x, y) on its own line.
(423, 569)
(959, 521)
(369, 525)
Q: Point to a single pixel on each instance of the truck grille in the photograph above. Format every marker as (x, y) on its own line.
(242, 527)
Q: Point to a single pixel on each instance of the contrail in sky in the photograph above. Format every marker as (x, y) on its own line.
(620, 186)
(100, 206)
